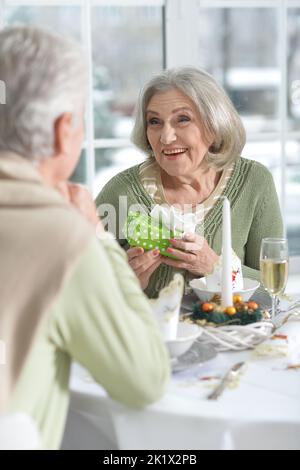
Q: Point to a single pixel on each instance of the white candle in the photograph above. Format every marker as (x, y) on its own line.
(226, 256)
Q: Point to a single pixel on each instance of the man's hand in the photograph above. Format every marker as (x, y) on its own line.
(80, 197)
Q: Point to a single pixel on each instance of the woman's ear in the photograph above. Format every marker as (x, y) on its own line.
(215, 147)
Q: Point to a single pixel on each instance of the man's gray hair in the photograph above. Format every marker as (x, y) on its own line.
(220, 120)
(45, 77)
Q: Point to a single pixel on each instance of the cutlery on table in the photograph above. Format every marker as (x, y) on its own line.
(228, 377)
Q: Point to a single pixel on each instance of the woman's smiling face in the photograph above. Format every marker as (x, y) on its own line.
(174, 131)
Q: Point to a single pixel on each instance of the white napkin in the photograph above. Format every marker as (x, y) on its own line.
(166, 307)
(173, 219)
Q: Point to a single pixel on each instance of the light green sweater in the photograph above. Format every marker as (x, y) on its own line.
(255, 215)
(104, 321)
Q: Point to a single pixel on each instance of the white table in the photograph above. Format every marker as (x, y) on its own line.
(263, 411)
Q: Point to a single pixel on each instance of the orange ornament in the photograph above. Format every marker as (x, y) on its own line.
(237, 299)
(252, 305)
(230, 311)
(207, 307)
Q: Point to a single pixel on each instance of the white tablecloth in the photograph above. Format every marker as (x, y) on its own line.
(262, 412)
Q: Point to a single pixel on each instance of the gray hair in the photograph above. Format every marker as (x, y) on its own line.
(219, 118)
(45, 77)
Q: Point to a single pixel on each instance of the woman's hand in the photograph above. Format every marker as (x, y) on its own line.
(143, 263)
(197, 258)
(80, 197)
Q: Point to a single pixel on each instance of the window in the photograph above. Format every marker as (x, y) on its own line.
(62, 19)
(126, 45)
(127, 49)
(251, 46)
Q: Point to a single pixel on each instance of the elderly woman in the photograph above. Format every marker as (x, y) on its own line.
(193, 137)
(52, 267)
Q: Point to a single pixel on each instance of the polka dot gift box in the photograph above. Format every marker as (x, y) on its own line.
(146, 232)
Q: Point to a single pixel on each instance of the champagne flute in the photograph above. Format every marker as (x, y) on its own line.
(274, 261)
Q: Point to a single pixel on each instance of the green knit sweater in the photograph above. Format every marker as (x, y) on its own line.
(255, 214)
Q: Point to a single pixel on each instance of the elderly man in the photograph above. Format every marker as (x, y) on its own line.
(64, 294)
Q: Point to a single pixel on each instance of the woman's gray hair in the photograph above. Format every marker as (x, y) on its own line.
(220, 120)
(45, 76)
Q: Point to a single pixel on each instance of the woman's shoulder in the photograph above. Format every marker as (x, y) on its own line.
(253, 169)
(124, 176)
(121, 182)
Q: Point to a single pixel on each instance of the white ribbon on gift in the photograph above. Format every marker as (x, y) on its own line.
(173, 219)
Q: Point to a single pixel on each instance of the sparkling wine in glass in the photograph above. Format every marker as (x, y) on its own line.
(274, 263)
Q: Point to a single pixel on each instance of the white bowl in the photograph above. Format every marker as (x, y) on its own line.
(199, 287)
(187, 333)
